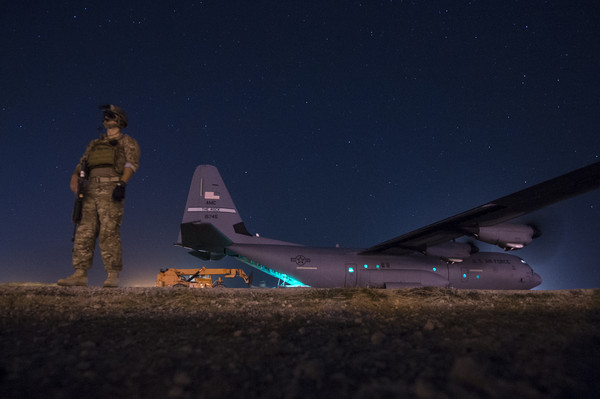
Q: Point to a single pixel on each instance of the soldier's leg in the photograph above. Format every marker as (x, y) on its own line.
(84, 245)
(87, 232)
(110, 215)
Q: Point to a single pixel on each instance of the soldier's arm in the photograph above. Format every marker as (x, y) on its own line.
(132, 159)
(73, 183)
(127, 173)
(75, 175)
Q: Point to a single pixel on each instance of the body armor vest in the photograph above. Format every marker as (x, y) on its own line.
(102, 154)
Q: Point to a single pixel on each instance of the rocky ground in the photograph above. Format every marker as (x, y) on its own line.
(297, 343)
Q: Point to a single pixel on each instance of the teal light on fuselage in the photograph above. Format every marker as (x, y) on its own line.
(366, 266)
(435, 269)
(292, 282)
(350, 270)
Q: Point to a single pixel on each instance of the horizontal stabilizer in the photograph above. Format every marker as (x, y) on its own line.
(204, 237)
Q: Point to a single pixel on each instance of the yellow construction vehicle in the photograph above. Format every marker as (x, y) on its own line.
(198, 278)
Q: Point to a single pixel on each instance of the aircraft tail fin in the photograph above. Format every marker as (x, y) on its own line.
(211, 221)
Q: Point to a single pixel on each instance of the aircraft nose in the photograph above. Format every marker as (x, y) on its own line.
(536, 279)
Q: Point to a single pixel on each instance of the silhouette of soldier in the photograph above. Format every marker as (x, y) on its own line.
(110, 161)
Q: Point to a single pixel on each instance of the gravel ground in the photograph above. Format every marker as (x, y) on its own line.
(59, 342)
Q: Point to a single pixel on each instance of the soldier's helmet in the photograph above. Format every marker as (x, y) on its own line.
(113, 112)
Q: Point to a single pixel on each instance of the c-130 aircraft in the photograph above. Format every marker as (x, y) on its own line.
(212, 228)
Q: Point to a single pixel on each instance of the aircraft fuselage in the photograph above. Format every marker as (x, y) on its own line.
(339, 267)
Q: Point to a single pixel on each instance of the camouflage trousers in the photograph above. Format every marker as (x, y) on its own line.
(101, 219)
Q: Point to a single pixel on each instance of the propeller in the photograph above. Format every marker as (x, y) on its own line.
(537, 232)
(551, 224)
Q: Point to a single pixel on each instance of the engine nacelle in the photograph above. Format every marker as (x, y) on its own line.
(507, 236)
(451, 251)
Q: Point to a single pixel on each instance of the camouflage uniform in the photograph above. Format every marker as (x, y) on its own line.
(101, 215)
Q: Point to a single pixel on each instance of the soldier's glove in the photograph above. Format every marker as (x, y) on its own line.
(119, 191)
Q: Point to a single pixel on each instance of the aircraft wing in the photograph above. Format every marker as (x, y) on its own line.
(494, 212)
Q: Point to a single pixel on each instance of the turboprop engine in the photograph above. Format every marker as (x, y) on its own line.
(507, 236)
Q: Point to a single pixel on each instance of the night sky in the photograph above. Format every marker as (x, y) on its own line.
(331, 122)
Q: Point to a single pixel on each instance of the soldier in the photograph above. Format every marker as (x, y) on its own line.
(111, 160)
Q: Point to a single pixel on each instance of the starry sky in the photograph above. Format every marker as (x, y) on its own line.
(331, 122)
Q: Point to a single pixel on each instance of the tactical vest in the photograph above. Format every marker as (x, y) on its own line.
(102, 155)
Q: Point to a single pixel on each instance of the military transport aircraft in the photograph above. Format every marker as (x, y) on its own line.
(430, 256)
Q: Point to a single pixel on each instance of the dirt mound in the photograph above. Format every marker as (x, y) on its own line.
(293, 343)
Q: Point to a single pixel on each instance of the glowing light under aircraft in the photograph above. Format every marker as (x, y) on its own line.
(289, 281)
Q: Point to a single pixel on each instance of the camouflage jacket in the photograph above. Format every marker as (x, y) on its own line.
(127, 153)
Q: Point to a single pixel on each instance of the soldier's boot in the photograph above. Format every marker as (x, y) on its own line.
(112, 281)
(79, 278)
